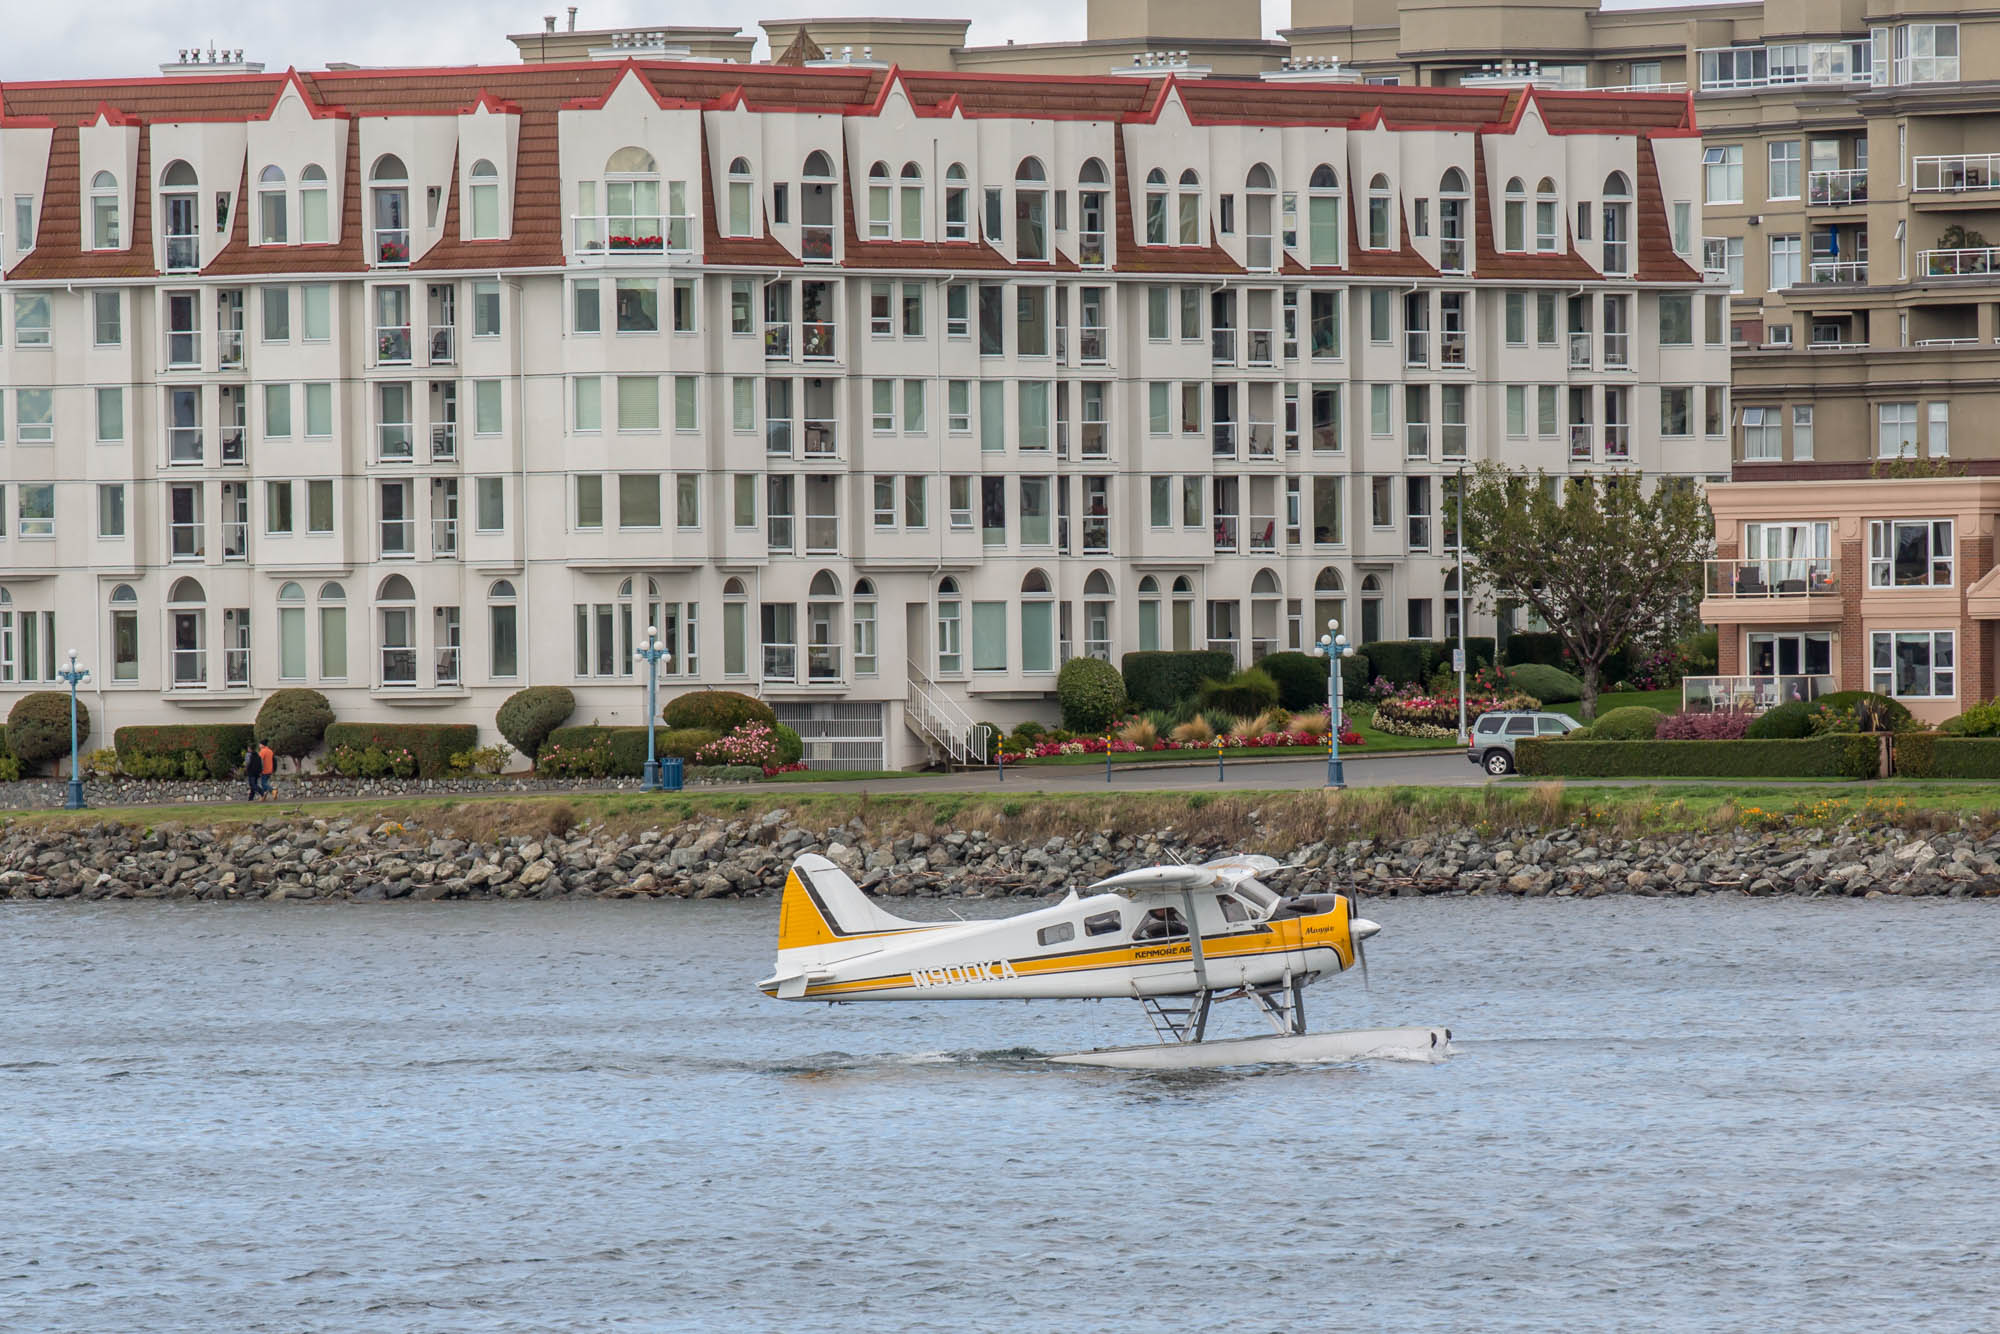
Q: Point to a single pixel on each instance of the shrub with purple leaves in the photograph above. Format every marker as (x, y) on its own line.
(1725, 726)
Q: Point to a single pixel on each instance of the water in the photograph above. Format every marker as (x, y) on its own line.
(1715, 1114)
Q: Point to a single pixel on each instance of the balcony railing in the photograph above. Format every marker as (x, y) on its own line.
(392, 344)
(778, 342)
(1955, 173)
(184, 444)
(1579, 351)
(1580, 450)
(822, 534)
(444, 347)
(1617, 350)
(183, 349)
(1263, 440)
(183, 254)
(1222, 440)
(1451, 348)
(229, 348)
(1840, 270)
(447, 665)
(781, 662)
(1262, 342)
(236, 667)
(190, 669)
(399, 666)
(1835, 189)
(1263, 532)
(1786, 577)
(1417, 347)
(1096, 534)
(1090, 344)
(633, 234)
(1223, 345)
(399, 537)
(1095, 440)
(778, 436)
(235, 540)
(397, 441)
(1748, 694)
(1451, 255)
(392, 246)
(818, 342)
(1225, 532)
(1617, 258)
(1978, 263)
(1416, 441)
(1229, 646)
(778, 532)
(816, 242)
(444, 537)
(232, 444)
(1617, 443)
(1258, 252)
(822, 439)
(1090, 249)
(444, 440)
(185, 541)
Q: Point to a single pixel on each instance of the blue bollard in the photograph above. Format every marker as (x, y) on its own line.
(1218, 759)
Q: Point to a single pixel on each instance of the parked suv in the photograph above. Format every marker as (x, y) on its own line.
(1494, 735)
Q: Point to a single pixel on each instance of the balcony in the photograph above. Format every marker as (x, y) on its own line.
(399, 667)
(778, 436)
(392, 345)
(183, 349)
(1451, 349)
(444, 537)
(444, 441)
(778, 342)
(229, 349)
(781, 663)
(184, 444)
(1223, 344)
(399, 537)
(822, 439)
(627, 235)
(822, 534)
(1788, 577)
(818, 341)
(1225, 532)
(1617, 258)
(392, 247)
(444, 347)
(396, 442)
(1617, 350)
(1580, 448)
(1263, 440)
(1417, 441)
(447, 665)
(1451, 255)
(1096, 441)
(1417, 347)
(232, 444)
(1222, 440)
(1090, 344)
(1840, 271)
(183, 253)
(1980, 263)
(778, 534)
(1837, 189)
(1229, 646)
(1617, 443)
(236, 540)
(1263, 532)
(816, 242)
(1262, 342)
(186, 541)
(1090, 249)
(1748, 694)
(1955, 173)
(1579, 351)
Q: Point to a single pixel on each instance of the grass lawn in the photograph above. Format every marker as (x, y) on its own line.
(836, 775)
(1666, 701)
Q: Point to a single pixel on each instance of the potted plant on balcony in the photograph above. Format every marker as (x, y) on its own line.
(635, 243)
(394, 252)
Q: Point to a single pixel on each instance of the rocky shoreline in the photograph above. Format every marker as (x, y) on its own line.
(50, 793)
(720, 857)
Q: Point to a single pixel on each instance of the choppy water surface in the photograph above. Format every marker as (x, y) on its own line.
(1663, 1115)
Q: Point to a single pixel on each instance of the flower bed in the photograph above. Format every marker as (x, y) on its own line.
(1097, 745)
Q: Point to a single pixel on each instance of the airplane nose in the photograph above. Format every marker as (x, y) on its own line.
(1361, 928)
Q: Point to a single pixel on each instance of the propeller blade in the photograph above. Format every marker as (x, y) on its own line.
(1358, 930)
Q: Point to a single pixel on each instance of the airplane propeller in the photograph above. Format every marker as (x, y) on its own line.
(1358, 930)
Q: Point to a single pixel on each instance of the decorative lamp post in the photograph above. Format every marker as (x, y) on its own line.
(73, 675)
(1464, 606)
(653, 653)
(1334, 646)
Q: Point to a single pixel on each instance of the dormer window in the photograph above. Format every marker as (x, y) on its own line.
(1378, 213)
(1617, 225)
(740, 194)
(104, 211)
(1031, 205)
(1259, 206)
(816, 195)
(1090, 213)
(271, 228)
(632, 201)
(312, 206)
(1514, 225)
(1323, 225)
(957, 220)
(911, 201)
(484, 193)
(180, 202)
(1190, 208)
(879, 191)
(1156, 207)
(390, 194)
(1548, 212)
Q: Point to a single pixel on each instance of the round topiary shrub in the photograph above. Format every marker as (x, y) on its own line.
(719, 710)
(1301, 678)
(1550, 685)
(1578, 734)
(528, 716)
(293, 722)
(682, 742)
(38, 728)
(1787, 722)
(1244, 695)
(1634, 722)
(791, 747)
(1091, 693)
(1841, 705)
(1979, 720)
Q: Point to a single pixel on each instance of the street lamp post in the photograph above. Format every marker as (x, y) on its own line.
(73, 675)
(653, 653)
(1463, 606)
(1334, 646)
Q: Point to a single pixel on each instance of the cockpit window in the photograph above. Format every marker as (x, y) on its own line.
(1232, 909)
(1251, 892)
(1101, 924)
(1160, 924)
(1057, 934)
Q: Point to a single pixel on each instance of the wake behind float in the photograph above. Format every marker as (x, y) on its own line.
(1175, 938)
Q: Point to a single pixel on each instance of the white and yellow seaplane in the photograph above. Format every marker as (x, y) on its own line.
(1175, 938)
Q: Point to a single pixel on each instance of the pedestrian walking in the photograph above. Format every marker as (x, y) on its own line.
(253, 768)
(270, 766)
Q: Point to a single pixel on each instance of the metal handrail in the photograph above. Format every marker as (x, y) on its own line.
(941, 720)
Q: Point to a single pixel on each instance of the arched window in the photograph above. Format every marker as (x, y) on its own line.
(1190, 208)
(1265, 584)
(1453, 253)
(484, 193)
(1371, 609)
(878, 202)
(740, 194)
(1183, 613)
(957, 213)
(187, 631)
(1514, 226)
(291, 632)
(1324, 227)
(1031, 210)
(394, 599)
(1156, 207)
(1038, 623)
(104, 211)
(1090, 213)
(823, 617)
(503, 642)
(124, 631)
(271, 220)
(390, 197)
(864, 627)
(1328, 602)
(816, 207)
(313, 213)
(1092, 173)
(632, 217)
(1617, 225)
(1547, 212)
(180, 225)
(910, 202)
(1097, 608)
(1149, 614)
(332, 632)
(1260, 207)
(735, 628)
(1451, 607)
(1379, 235)
(950, 643)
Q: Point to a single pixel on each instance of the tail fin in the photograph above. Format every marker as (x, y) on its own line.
(823, 906)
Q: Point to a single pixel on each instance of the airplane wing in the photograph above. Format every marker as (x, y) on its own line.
(1160, 877)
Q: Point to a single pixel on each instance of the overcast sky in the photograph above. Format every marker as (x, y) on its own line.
(121, 38)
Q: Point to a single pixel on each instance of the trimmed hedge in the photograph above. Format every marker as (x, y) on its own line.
(1301, 679)
(1979, 720)
(791, 746)
(1091, 694)
(1793, 718)
(1545, 647)
(1247, 694)
(3, 741)
(1550, 685)
(433, 744)
(38, 728)
(1940, 755)
(1634, 722)
(526, 717)
(721, 710)
(628, 744)
(1161, 680)
(220, 746)
(1417, 660)
(1836, 755)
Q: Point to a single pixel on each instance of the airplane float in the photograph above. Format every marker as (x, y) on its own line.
(1175, 938)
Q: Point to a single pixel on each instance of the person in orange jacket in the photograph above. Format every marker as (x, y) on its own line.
(270, 760)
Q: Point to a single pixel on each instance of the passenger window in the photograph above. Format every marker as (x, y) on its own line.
(1489, 724)
(1101, 924)
(1520, 727)
(1232, 911)
(1549, 727)
(1160, 924)
(1057, 934)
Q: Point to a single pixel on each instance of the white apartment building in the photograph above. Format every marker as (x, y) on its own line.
(879, 392)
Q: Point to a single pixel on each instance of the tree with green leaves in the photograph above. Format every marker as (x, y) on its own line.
(1604, 561)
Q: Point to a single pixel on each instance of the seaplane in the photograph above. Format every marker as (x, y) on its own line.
(1177, 939)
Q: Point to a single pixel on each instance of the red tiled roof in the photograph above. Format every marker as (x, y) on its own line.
(1402, 262)
(1488, 261)
(757, 251)
(1135, 258)
(968, 254)
(1657, 261)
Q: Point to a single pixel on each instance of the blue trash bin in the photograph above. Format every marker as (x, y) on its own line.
(671, 773)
